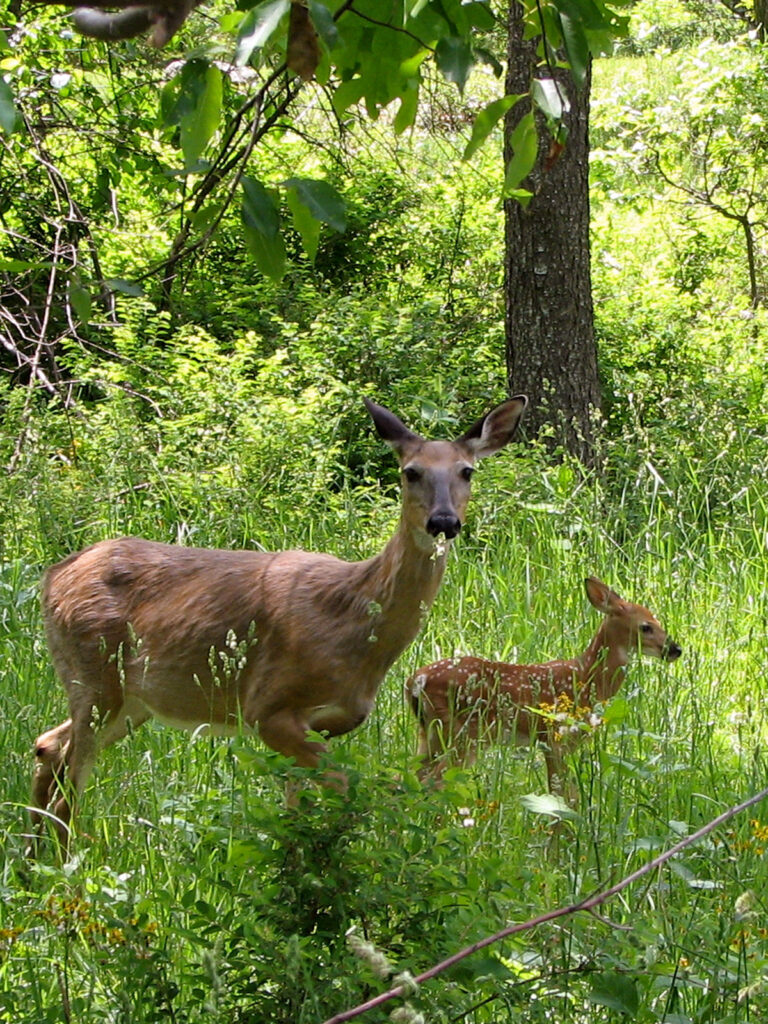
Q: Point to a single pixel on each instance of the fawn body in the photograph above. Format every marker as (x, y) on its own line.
(285, 642)
(463, 702)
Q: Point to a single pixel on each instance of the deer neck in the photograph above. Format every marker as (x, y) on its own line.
(603, 668)
(400, 584)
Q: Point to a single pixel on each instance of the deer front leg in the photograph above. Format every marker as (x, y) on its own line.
(286, 732)
(558, 777)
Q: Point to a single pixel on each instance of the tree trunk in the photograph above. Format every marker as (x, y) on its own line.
(550, 342)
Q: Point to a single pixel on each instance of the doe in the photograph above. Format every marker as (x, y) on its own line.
(286, 642)
(461, 702)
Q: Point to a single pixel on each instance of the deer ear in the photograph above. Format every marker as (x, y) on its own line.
(600, 594)
(389, 427)
(495, 429)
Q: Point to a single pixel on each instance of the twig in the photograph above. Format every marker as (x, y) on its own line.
(586, 904)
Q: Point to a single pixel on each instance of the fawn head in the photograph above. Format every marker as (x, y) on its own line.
(630, 626)
(436, 475)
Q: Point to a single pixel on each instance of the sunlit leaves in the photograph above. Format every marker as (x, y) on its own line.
(257, 27)
(321, 199)
(453, 57)
(576, 47)
(312, 203)
(550, 98)
(79, 298)
(7, 108)
(307, 225)
(486, 121)
(324, 24)
(524, 142)
(193, 102)
(261, 227)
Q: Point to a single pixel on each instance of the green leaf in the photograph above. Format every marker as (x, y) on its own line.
(200, 99)
(576, 47)
(307, 225)
(322, 200)
(7, 108)
(454, 59)
(348, 93)
(409, 105)
(524, 141)
(269, 253)
(324, 24)
(259, 208)
(550, 98)
(257, 27)
(205, 216)
(119, 284)
(261, 228)
(549, 805)
(79, 298)
(14, 266)
(616, 991)
(486, 121)
(522, 195)
(616, 711)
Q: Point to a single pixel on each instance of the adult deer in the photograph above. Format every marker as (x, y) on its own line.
(286, 642)
(461, 702)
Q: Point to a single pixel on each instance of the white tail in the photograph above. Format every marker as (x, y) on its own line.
(461, 702)
(286, 642)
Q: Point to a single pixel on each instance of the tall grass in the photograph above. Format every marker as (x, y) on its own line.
(194, 894)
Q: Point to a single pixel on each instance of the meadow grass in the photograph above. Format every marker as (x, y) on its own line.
(194, 894)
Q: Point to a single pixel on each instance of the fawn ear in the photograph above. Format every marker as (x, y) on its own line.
(496, 429)
(389, 427)
(600, 594)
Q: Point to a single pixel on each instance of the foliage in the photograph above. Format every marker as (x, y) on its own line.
(235, 420)
(218, 108)
(703, 142)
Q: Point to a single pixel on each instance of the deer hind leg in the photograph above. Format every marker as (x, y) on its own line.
(51, 749)
(65, 757)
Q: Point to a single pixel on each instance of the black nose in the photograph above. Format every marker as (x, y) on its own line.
(443, 522)
(672, 651)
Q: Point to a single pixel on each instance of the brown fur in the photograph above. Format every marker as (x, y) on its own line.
(286, 642)
(462, 702)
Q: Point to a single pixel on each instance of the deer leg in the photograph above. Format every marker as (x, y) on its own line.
(50, 754)
(558, 778)
(65, 756)
(286, 732)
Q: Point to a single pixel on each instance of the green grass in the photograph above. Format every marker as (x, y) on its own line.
(193, 894)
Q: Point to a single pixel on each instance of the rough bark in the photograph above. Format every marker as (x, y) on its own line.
(550, 343)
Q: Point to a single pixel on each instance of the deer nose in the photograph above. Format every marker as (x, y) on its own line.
(443, 522)
(672, 650)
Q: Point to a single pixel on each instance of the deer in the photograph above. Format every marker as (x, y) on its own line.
(461, 703)
(283, 643)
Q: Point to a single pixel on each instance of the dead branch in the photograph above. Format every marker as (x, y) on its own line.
(586, 904)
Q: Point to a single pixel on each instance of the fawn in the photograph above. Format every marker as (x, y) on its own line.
(462, 702)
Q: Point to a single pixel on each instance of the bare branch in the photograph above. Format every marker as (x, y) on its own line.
(586, 904)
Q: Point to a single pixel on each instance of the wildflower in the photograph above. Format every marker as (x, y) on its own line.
(367, 952)
(406, 1014)
(744, 907)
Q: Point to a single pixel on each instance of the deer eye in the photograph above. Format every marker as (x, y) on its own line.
(412, 474)
(646, 627)
(466, 472)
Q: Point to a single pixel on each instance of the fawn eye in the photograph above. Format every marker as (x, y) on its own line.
(646, 628)
(466, 472)
(412, 474)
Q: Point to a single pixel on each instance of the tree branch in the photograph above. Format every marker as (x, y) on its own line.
(586, 904)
